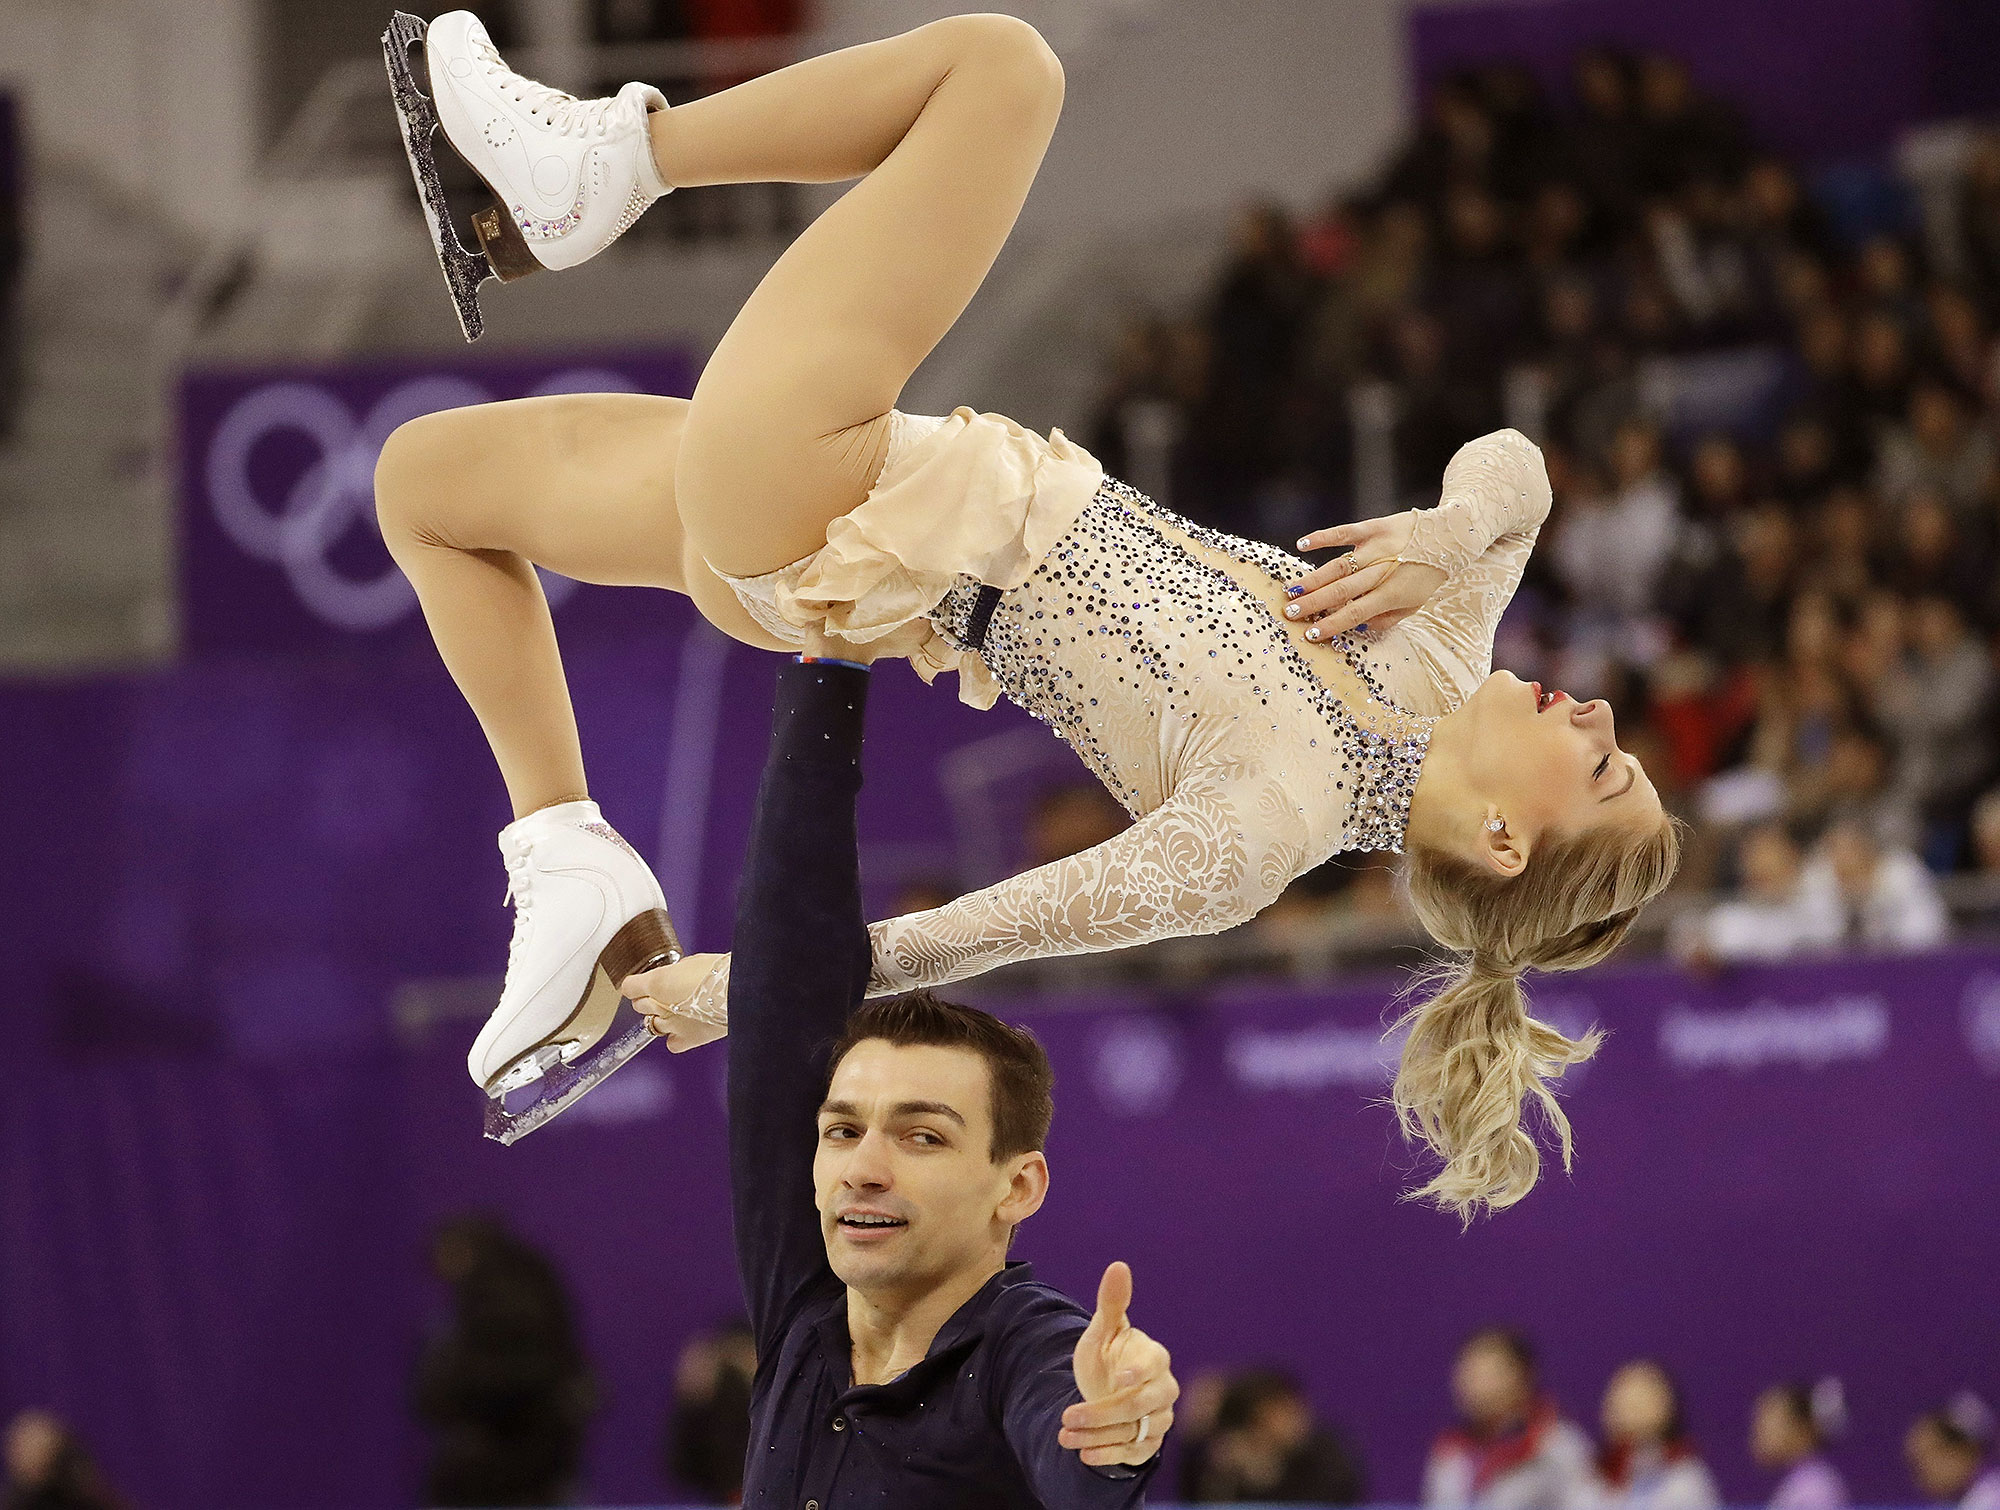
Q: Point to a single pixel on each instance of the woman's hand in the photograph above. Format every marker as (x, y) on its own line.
(685, 1002)
(1372, 584)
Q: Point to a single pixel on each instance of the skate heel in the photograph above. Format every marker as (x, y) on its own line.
(505, 247)
(647, 942)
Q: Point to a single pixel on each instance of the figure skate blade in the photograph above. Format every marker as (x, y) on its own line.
(512, 1114)
(464, 268)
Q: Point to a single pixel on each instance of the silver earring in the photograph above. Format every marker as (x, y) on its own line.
(1495, 825)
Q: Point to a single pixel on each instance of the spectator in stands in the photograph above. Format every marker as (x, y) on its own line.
(1436, 407)
(1930, 554)
(1775, 916)
(1882, 897)
(1882, 373)
(1957, 337)
(1070, 818)
(1882, 269)
(47, 1468)
(1266, 1447)
(1718, 478)
(1939, 708)
(708, 1428)
(1805, 461)
(1979, 219)
(1852, 786)
(1938, 448)
(1947, 1449)
(504, 1389)
(1841, 560)
(1986, 834)
(1256, 313)
(1684, 135)
(1604, 141)
(1789, 1428)
(1512, 1449)
(1648, 1462)
(1481, 297)
(1611, 552)
(1137, 423)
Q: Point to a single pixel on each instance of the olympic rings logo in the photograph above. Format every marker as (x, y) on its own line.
(337, 491)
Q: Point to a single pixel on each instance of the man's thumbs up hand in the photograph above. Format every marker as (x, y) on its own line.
(1126, 1380)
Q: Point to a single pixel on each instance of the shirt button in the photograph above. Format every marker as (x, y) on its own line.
(840, 1423)
(812, 1505)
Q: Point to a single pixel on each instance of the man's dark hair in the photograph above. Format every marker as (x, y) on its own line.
(1249, 1391)
(1017, 1067)
(1514, 1344)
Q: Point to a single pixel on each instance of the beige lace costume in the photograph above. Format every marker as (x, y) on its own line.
(1246, 753)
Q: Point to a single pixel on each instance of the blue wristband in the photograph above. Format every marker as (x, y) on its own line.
(828, 660)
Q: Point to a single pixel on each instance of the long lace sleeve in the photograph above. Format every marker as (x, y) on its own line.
(1214, 854)
(1494, 499)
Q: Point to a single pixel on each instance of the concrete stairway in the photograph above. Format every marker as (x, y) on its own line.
(85, 569)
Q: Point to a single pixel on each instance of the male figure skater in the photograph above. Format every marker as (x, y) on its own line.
(881, 1157)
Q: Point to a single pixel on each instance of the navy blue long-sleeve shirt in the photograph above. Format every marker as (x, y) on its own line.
(974, 1424)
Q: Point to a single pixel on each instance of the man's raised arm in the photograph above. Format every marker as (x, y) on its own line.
(800, 967)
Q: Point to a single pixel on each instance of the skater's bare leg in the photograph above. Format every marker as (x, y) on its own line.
(471, 500)
(790, 420)
(789, 423)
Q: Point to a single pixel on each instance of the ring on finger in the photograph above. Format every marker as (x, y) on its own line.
(1145, 1421)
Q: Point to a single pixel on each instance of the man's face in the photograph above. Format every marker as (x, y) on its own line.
(907, 1190)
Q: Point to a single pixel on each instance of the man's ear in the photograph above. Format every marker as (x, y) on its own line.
(1027, 1188)
(1502, 851)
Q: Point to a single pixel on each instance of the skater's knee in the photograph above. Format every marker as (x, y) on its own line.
(406, 477)
(1009, 44)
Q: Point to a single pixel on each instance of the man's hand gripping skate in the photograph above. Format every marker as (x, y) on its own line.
(686, 1002)
(1126, 1380)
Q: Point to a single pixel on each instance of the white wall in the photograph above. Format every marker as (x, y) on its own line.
(1186, 107)
(154, 96)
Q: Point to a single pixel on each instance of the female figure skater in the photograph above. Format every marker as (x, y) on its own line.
(1223, 690)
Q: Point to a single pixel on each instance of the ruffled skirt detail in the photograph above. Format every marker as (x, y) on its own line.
(967, 495)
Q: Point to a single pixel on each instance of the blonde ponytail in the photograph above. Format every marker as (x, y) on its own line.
(1473, 1055)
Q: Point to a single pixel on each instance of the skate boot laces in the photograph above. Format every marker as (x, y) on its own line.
(565, 113)
(520, 896)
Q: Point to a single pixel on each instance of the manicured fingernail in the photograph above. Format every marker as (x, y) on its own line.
(1305, 542)
(1312, 634)
(1291, 610)
(1294, 590)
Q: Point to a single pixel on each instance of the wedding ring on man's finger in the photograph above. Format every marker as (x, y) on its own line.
(1145, 1420)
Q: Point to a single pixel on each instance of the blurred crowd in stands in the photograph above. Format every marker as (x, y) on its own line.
(1769, 403)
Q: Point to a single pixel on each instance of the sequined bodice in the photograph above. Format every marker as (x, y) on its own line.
(1245, 753)
(1136, 642)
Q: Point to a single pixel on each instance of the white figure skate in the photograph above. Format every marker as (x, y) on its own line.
(587, 914)
(568, 177)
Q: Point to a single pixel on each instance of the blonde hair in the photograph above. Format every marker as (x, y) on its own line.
(1473, 1054)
